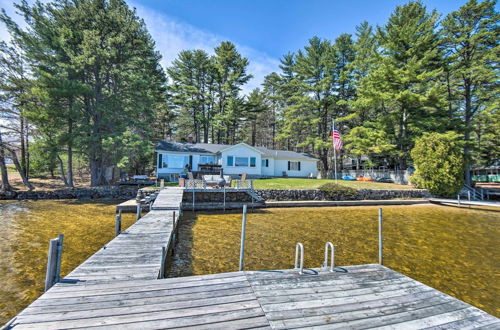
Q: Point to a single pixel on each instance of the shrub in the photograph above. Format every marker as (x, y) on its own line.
(338, 192)
(439, 163)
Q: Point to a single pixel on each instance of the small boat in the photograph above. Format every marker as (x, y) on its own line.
(348, 178)
(363, 178)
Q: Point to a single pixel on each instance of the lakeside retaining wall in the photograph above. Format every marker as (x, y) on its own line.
(112, 192)
(318, 195)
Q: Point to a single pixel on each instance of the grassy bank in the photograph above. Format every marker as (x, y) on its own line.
(295, 183)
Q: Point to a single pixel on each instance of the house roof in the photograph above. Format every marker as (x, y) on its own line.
(210, 148)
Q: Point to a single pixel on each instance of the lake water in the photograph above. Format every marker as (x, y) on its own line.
(455, 250)
(25, 230)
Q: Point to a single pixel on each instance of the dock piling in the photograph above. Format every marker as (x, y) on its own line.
(380, 237)
(54, 262)
(118, 224)
(139, 211)
(243, 231)
(458, 199)
(163, 260)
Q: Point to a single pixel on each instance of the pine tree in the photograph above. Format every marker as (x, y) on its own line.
(471, 37)
(104, 50)
(404, 87)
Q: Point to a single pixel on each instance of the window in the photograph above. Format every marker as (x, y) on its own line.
(160, 161)
(265, 163)
(253, 162)
(207, 160)
(294, 166)
(229, 160)
(174, 161)
(241, 161)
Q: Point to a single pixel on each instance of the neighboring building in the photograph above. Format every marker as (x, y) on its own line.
(173, 158)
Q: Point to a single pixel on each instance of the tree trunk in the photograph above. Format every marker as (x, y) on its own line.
(3, 168)
(27, 143)
(69, 180)
(23, 148)
(20, 170)
(61, 168)
(467, 119)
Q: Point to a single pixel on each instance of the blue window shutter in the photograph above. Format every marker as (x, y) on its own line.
(229, 160)
(299, 166)
(160, 160)
(289, 165)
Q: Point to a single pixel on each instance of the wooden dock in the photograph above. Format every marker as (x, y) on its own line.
(464, 202)
(135, 254)
(168, 199)
(367, 296)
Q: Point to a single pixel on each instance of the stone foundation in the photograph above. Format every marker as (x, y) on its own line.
(113, 192)
(317, 195)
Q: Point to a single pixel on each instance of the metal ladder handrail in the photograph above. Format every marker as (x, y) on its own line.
(332, 256)
(300, 247)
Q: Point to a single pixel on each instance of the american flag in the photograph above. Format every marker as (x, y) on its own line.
(337, 140)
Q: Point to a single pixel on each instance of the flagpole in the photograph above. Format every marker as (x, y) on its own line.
(334, 150)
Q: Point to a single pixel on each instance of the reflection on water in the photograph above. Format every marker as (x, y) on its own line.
(25, 230)
(451, 249)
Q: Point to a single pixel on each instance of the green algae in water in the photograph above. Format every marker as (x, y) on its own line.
(454, 250)
(25, 230)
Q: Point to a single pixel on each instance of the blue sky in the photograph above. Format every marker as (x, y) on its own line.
(262, 30)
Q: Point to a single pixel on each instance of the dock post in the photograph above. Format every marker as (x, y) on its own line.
(193, 196)
(163, 260)
(380, 238)
(224, 203)
(118, 224)
(138, 212)
(468, 195)
(458, 199)
(243, 231)
(53, 262)
(162, 183)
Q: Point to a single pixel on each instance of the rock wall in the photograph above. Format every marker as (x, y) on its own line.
(316, 194)
(113, 192)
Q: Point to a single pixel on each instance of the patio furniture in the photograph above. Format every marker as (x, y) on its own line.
(213, 180)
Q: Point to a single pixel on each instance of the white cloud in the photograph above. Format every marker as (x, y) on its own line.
(173, 36)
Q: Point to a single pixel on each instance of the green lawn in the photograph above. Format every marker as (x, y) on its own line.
(292, 183)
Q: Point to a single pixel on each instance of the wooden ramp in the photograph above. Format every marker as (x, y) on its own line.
(134, 254)
(168, 199)
(367, 296)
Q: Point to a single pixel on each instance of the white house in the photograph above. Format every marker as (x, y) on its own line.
(173, 158)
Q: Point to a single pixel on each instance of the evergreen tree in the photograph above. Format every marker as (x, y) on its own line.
(104, 53)
(404, 87)
(471, 37)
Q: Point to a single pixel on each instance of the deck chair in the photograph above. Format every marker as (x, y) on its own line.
(243, 177)
(190, 176)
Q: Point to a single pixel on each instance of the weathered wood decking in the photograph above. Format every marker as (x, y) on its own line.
(168, 199)
(135, 254)
(368, 296)
(444, 201)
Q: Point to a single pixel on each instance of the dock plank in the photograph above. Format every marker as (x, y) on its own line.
(370, 296)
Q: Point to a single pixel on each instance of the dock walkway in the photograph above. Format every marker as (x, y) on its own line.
(367, 296)
(135, 254)
(168, 199)
(464, 202)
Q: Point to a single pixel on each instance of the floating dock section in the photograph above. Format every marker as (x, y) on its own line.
(368, 296)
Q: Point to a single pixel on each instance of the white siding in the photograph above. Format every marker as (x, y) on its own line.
(306, 167)
(241, 150)
(268, 171)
